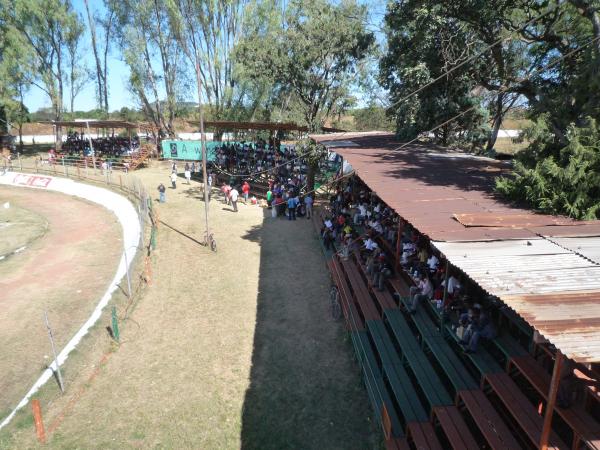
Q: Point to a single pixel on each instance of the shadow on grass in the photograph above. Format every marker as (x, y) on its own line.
(305, 389)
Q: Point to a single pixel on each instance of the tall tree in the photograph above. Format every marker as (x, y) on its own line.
(208, 30)
(154, 58)
(101, 48)
(78, 73)
(314, 50)
(47, 27)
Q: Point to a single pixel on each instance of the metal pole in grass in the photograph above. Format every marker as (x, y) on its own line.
(60, 380)
(128, 276)
(115, 324)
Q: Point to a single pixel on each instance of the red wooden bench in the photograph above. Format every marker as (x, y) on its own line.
(493, 429)
(454, 427)
(400, 286)
(353, 319)
(397, 444)
(384, 298)
(361, 294)
(584, 426)
(520, 408)
(422, 435)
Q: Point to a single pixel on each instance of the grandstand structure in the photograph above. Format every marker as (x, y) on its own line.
(543, 271)
(90, 142)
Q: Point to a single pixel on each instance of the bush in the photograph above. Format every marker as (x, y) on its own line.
(558, 179)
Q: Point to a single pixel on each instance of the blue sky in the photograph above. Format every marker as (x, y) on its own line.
(118, 73)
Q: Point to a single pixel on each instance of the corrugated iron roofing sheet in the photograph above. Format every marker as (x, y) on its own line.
(545, 268)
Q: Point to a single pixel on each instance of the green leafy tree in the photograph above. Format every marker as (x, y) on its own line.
(423, 44)
(46, 28)
(311, 50)
(565, 183)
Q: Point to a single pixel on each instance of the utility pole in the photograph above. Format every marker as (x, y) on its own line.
(202, 146)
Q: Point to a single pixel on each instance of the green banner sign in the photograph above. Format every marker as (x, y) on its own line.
(188, 150)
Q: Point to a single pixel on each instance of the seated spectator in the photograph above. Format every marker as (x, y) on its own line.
(481, 327)
(422, 292)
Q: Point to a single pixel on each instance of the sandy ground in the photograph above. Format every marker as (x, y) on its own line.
(226, 350)
(64, 273)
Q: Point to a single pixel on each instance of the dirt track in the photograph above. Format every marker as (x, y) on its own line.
(64, 272)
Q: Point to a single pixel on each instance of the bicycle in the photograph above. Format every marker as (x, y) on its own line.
(209, 241)
(334, 303)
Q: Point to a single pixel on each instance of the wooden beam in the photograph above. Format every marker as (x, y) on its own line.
(551, 401)
(399, 242)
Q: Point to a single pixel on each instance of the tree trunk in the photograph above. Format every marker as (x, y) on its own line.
(99, 77)
(498, 115)
(310, 177)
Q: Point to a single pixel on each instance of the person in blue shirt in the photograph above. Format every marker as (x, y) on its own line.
(291, 204)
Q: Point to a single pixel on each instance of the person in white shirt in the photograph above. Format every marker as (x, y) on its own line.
(433, 262)
(233, 196)
(370, 244)
(453, 285)
(173, 180)
(423, 292)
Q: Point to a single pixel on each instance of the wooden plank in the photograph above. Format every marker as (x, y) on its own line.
(581, 422)
(402, 387)
(351, 314)
(423, 436)
(493, 429)
(455, 428)
(361, 294)
(520, 408)
(384, 298)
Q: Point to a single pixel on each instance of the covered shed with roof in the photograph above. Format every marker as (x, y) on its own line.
(545, 268)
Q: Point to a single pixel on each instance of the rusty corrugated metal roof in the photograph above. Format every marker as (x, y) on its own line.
(546, 268)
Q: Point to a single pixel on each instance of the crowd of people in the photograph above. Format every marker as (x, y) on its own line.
(359, 223)
(78, 144)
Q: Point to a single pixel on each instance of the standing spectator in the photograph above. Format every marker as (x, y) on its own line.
(269, 197)
(173, 180)
(245, 191)
(174, 167)
(193, 166)
(233, 196)
(161, 193)
(226, 190)
(291, 204)
(308, 202)
(187, 172)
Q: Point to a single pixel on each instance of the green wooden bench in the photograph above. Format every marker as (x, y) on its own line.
(508, 346)
(401, 385)
(373, 379)
(452, 368)
(481, 361)
(417, 362)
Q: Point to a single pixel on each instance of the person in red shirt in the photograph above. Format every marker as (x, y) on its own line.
(245, 191)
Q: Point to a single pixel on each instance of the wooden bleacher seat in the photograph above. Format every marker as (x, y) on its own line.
(353, 319)
(361, 294)
(449, 419)
(373, 378)
(397, 444)
(406, 397)
(584, 426)
(489, 423)
(428, 380)
(520, 408)
(481, 361)
(451, 366)
(384, 298)
(422, 435)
